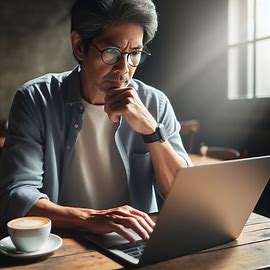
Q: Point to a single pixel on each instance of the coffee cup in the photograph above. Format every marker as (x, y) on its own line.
(29, 234)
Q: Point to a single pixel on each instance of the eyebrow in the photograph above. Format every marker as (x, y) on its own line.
(110, 43)
(137, 47)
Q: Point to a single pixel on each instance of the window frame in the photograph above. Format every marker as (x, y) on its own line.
(254, 41)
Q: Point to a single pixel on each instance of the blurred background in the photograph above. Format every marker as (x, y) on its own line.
(211, 58)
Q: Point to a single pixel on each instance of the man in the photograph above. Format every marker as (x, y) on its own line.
(88, 148)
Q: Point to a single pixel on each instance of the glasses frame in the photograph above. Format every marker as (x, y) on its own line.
(145, 51)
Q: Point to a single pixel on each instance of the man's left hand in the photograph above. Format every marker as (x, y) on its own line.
(126, 102)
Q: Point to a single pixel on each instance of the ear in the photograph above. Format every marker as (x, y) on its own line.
(77, 45)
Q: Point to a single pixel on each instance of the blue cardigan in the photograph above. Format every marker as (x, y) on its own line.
(45, 119)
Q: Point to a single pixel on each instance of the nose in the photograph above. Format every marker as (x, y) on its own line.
(122, 66)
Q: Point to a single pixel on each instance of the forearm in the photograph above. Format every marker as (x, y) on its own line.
(61, 216)
(119, 219)
(166, 163)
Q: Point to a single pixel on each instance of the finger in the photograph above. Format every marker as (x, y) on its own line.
(116, 91)
(114, 116)
(117, 104)
(146, 217)
(116, 110)
(114, 119)
(141, 220)
(120, 229)
(122, 216)
(132, 223)
(129, 211)
(143, 223)
(116, 94)
(107, 223)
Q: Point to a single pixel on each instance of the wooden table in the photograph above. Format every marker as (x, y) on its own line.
(203, 160)
(249, 252)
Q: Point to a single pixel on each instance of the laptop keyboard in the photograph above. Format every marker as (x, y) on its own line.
(132, 249)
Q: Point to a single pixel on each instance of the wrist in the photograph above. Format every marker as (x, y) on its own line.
(149, 126)
(159, 134)
(79, 217)
(149, 130)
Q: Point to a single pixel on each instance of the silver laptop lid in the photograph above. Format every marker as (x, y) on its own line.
(207, 206)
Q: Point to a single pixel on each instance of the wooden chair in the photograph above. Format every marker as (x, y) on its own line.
(223, 153)
(188, 132)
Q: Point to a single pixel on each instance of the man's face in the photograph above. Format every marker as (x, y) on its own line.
(102, 77)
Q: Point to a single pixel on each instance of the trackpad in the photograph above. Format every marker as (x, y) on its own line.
(110, 239)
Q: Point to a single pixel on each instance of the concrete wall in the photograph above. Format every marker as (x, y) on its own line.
(189, 60)
(188, 63)
(34, 39)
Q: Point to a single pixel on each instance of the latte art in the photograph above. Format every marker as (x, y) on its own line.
(29, 223)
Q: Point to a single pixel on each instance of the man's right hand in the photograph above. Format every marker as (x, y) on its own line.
(119, 219)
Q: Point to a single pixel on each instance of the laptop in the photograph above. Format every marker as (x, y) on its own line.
(208, 205)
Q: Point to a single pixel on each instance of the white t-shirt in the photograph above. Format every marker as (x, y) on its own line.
(96, 176)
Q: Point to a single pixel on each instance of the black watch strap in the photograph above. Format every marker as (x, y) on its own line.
(159, 135)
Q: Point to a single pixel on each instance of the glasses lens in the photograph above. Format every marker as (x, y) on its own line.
(136, 58)
(111, 56)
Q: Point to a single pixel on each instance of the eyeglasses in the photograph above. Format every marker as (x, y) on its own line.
(111, 56)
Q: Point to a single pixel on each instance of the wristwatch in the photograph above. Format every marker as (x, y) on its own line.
(159, 135)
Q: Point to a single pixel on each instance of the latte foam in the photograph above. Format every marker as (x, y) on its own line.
(28, 222)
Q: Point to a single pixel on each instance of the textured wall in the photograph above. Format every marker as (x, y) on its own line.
(34, 39)
(188, 63)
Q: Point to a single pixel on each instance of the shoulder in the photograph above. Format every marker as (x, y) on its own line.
(51, 87)
(43, 92)
(47, 81)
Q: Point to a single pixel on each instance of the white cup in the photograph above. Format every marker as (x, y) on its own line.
(29, 234)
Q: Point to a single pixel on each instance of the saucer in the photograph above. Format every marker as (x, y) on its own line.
(53, 243)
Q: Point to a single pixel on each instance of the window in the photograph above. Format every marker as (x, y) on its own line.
(248, 49)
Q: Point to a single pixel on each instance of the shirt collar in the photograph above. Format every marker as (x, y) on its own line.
(73, 86)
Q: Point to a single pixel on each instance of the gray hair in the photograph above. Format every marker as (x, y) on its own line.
(89, 17)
